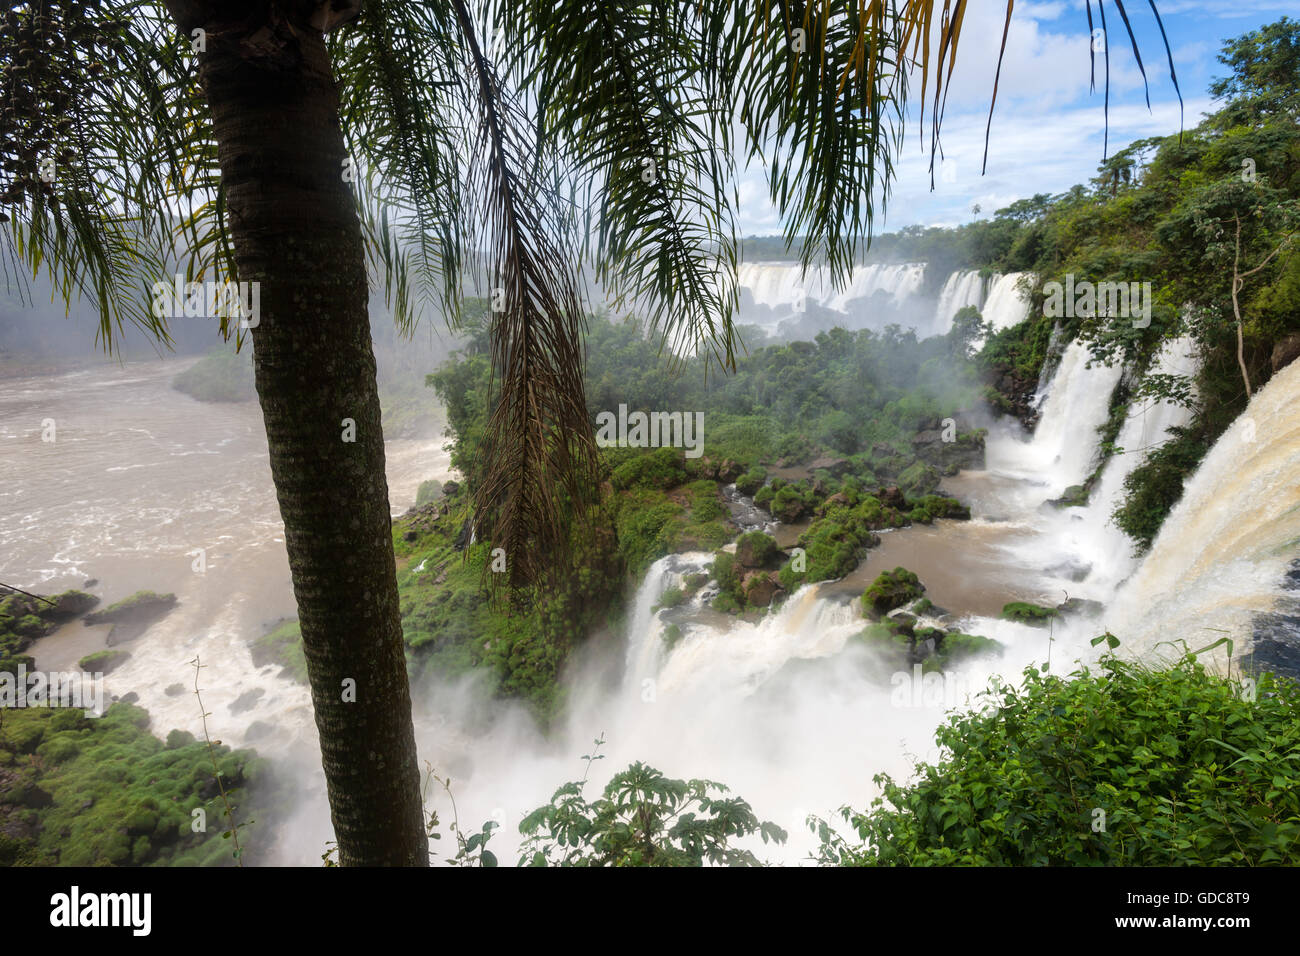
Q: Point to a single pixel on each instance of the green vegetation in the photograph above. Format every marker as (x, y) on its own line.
(428, 491)
(141, 603)
(1124, 766)
(102, 662)
(643, 819)
(223, 375)
(1154, 487)
(79, 791)
(282, 645)
(1026, 613)
(890, 590)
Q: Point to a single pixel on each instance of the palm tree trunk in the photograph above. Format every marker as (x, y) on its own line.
(295, 231)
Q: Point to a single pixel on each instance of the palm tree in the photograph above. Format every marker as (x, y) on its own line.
(309, 145)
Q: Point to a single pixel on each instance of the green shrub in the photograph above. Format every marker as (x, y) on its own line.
(428, 491)
(751, 481)
(890, 590)
(1127, 766)
(1027, 613)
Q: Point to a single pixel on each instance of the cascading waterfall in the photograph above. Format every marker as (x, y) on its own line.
(964, 287)
(1092, 534)
(778, 285)
(1006, 305)
(1224, 549)
(1065, 443)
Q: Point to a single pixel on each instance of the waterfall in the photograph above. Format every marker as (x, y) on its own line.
(645, 645)
(1224, 549)
(1088, 535)
(1064, 446)
(779, 284)
(964, 287)
(793, 304)
(1006, 305)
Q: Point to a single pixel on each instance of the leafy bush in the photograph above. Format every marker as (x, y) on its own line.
(643, 819)
(1127, 766)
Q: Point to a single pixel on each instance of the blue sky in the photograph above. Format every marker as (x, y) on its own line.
(1047, 129)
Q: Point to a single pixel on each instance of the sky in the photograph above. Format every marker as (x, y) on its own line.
(1047, 128)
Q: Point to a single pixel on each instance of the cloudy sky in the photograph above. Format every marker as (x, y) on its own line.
(1047, 128)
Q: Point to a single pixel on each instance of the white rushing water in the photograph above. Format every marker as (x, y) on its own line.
(786, 301)
(1221, 554)
(965, 287)
(1007, 304)
(1064, 447)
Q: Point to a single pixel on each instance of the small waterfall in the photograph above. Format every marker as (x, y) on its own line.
(1064, 446)
(1222, 553)
(1006, 305)
(964, 287)
(1090, 535)
(646, 647)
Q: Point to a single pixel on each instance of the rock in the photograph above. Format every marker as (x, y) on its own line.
(172, 690)
(246, 701)
(450, 488)
(927, 438)
(1080, 606)
(133, 616)
(707, 468)
(130, 698)
(256, 730)
(1286, 351)
(753, 550)
(729, 471)
(787, 510)
(839, 498)
(892, 497)
(90, 582)
(1075, 496)
(761, 587)
(903, 622)
(838, 467)
(410, 535)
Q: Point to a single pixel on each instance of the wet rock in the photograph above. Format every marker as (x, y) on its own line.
(838, 467)
(761, 587)
(247, 700)
(450, 488)
(1080, 606)
(729, 471)
(892, 497)
(133, 616)
(1286, 351)
(173, 690)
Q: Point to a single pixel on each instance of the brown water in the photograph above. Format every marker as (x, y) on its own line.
(137, 480)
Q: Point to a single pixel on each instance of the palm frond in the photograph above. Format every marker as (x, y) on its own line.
(539, 456)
